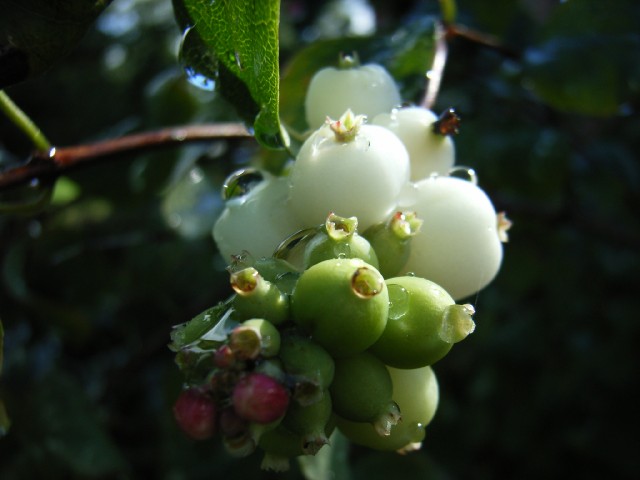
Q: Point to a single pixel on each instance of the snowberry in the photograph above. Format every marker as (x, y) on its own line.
(458, 246)
(259, 398)
(416, 393)
(424, 323)
(350, 169)
(342, 303)
(338, 239)
(429, 152)
(362, 392)
(195, 413)
(367, 89)
(261, 210)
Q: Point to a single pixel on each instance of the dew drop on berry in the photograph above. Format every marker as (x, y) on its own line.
(464, 173)
(241, 182)
(398, 301)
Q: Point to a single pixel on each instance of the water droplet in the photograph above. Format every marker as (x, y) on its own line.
(198, 80)
(398, 301)
(241, 182)
(410, 274)
(342, 250)
(238, 61)
(416, 432)
(270, 139)
(464, 173)
(199, 64)
(408, 196)
(292, 241)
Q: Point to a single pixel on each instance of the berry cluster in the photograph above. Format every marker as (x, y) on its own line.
(337, 325)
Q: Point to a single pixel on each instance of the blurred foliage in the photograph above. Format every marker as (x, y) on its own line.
(35, 34)
(91, 285)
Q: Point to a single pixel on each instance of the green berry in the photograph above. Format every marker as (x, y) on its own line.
(343, 304)
(362, 392)
(416, 393)
(258, 298)
(338, 239)
(310, 421)
(424, 323)
(309, 365)
(392, 241)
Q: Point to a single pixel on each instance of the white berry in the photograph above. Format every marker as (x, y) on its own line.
(429, 152)
(358, 177)
(458, 246)
(367, 90)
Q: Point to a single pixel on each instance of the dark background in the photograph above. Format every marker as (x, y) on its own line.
(91, 285)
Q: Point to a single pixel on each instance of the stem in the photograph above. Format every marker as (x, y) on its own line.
(23, 122)
(434, 75)
(449, 11)
(53, 161)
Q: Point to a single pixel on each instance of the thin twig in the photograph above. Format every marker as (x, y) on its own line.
(434, 75)
(60, 159)
(23, 122)
(481, 38)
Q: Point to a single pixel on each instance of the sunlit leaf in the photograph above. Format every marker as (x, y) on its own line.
(242, 37)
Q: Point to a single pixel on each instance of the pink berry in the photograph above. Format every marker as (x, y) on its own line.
(259, 398)
(195, 413)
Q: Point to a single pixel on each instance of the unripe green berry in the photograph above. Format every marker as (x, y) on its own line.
(424, 323)
(391, 240)
(416, 393)
(338, 238)
(343, 304)
(258, 298)
(362, 392)
(309, 365)
(310, 421)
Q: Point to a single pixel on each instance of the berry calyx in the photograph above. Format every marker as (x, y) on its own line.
(347, 126)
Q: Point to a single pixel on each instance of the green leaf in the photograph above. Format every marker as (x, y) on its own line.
(242, 36)
(587, 59)
(187, 333)
(35, 34)
(588, 75)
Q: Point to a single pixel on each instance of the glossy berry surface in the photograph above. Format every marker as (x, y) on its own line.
(259, 398)
(195, 414)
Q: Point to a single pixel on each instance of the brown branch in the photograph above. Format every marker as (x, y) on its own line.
(481, 38)
(60, 159)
